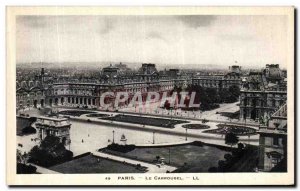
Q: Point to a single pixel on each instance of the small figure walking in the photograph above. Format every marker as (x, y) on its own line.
(82, 140)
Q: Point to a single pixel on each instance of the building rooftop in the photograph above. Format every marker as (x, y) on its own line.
(58, 119)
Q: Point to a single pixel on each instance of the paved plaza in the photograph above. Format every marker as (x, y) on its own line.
(89, 133)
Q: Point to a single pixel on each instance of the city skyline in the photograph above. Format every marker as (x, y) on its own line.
(162, 40)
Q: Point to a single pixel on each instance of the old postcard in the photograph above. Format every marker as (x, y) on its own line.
(150, 96)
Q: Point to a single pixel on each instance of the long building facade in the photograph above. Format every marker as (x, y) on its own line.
(261, 92)
(87, 94)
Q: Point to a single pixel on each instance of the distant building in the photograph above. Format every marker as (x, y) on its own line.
(148, 72)
(122, 67)
(235, 69)
(220, 81)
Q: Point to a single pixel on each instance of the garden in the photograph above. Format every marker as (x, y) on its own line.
(99, 115)
(76, 113)
(158, 122)
(235, 129)
(195, 126)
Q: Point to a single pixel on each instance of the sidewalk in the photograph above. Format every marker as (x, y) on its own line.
(164, 144)
(151, 167)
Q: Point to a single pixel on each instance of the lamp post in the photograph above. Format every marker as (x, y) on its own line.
(113, 136)
(186, 134)
(153, 142)
(169, 155)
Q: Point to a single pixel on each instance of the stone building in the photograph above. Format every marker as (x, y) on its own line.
(74, 93)
(273, 141)
(58, 127)
(220, 81)
(30, 94)
(262, 93)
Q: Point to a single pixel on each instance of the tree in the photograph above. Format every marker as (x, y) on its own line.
(22, 167)
(213, 169)
(157, 158)
(231, 139)
(29, 130)
(241, 146)
(25, 169)
(235, 91)
(223, 94)
(228, 157)
(51, 151)
(221, 166)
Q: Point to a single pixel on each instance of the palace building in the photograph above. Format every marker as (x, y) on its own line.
(112, 79)
(262, 92)
(220, 81)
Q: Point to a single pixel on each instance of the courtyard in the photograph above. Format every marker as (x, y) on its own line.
(98, 133)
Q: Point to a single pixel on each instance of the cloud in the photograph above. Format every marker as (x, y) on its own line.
(185, 39)
(32, 21)
(156, 35)
(235, 37)
(107, 26)
(196, 21)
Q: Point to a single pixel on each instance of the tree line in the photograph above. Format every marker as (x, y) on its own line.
(208, 98)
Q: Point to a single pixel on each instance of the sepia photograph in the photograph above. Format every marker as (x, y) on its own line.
(150, 96)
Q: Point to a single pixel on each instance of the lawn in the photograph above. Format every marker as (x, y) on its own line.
(91, 164)
(98, 115)
(197, 158)
(75, 112)
(159, 122)
(237, 130)
(195, 126)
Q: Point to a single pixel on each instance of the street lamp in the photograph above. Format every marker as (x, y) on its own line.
(113, 136)
(186, 134)
(169, 155)
(153, 142)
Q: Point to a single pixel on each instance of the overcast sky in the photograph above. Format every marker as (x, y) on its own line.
(222, 40)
